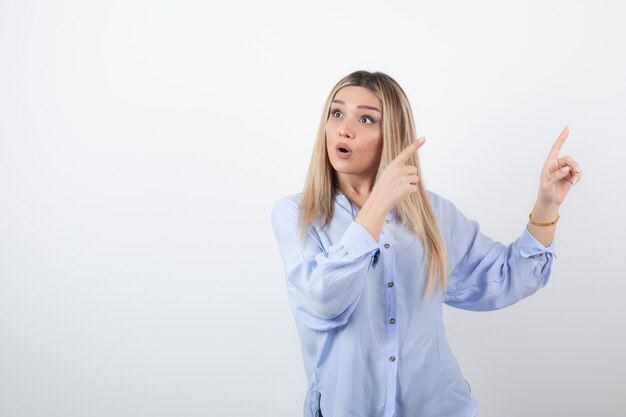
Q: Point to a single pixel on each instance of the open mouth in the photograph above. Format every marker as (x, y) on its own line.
(343, 148)
(343, 151)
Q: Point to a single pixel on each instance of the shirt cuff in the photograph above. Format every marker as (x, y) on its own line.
(357, 241)
(529, 246)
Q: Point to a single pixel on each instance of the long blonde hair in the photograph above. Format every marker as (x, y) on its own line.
(398, 131)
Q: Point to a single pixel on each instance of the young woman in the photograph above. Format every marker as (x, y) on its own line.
(370, 255)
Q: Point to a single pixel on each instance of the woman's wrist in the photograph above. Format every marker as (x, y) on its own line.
(542, 213)
(542, 224)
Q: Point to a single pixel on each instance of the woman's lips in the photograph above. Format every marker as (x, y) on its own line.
(343, 151)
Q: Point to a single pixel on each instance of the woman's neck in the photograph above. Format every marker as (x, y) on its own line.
(357, 188)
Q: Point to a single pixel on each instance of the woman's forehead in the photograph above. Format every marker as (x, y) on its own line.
(356, 95)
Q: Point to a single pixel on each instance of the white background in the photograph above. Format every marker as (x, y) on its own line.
(143, 144)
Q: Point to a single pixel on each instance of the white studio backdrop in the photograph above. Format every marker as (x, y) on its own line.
(143, 144)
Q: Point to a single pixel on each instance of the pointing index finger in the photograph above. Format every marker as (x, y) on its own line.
(556, 148)
(409, 150)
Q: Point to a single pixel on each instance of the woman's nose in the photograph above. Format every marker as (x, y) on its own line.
(344, 132)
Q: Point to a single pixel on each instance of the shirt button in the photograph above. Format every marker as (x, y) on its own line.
(392, 321)
(386, 245)
(387, 221)
(390, 284)
(392, 358)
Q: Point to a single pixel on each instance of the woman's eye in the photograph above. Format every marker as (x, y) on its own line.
(336, 113)
(366, 119)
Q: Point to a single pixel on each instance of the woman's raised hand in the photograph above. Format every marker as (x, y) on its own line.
(558, 175)
(397, 180)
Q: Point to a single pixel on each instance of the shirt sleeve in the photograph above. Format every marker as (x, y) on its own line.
(486, 274)
(323, 284)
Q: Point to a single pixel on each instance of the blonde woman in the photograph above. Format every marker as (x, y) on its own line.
(370, 255)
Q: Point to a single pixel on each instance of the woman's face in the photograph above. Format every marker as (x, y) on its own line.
(354, 125)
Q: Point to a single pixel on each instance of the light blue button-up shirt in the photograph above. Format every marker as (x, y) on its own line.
(373, 344)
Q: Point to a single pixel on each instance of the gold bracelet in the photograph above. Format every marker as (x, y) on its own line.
(543, 224)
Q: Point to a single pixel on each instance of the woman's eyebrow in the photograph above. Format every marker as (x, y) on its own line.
(360, 106)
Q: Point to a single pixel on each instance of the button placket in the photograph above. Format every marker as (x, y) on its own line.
(390, 312)
(387, 252)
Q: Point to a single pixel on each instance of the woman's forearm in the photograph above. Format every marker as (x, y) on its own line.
(372, 217)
